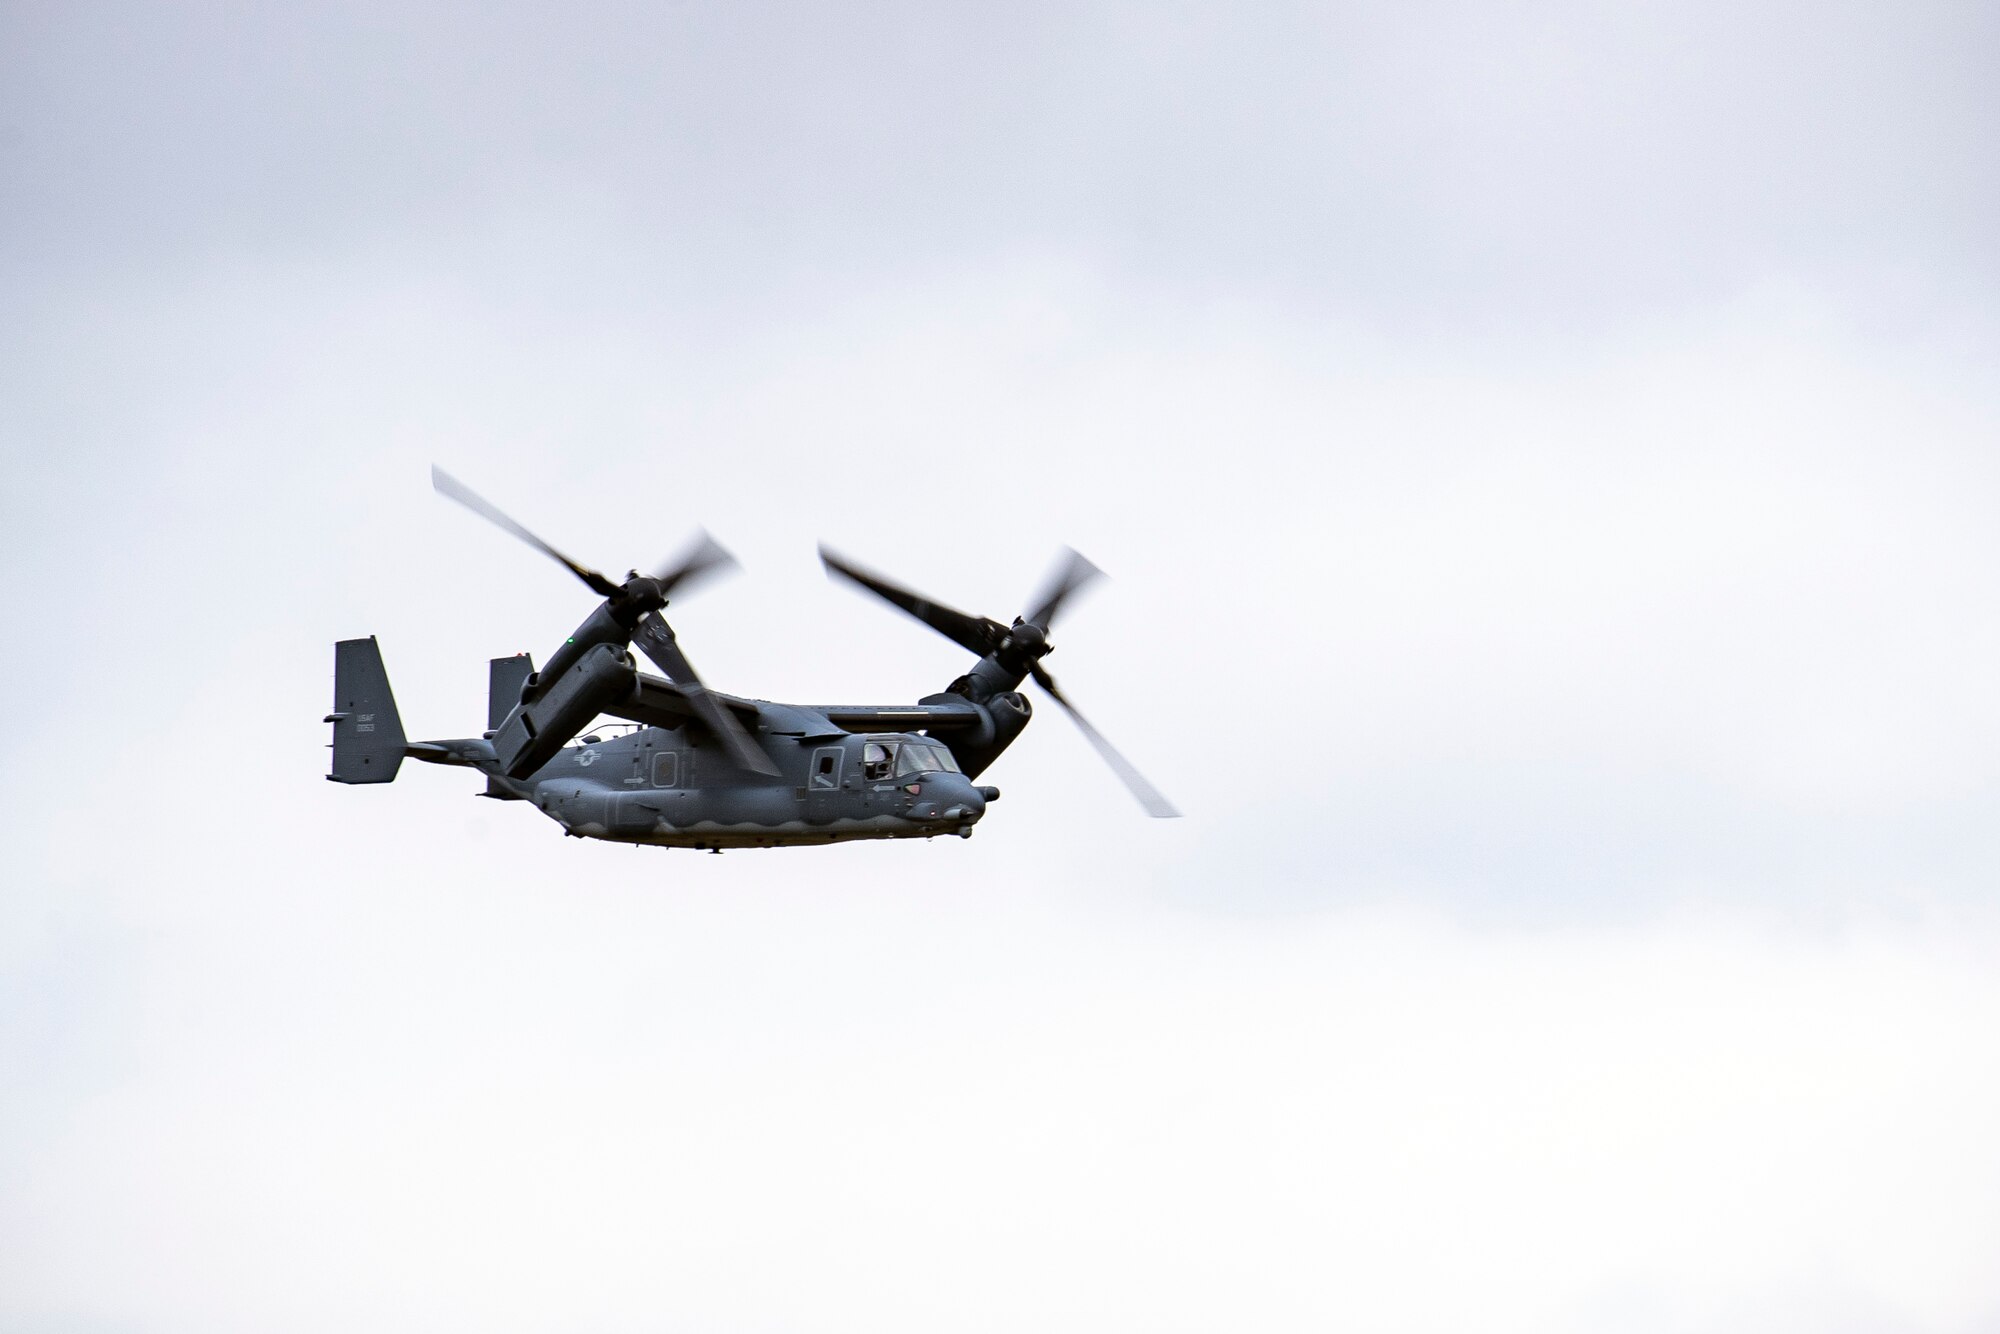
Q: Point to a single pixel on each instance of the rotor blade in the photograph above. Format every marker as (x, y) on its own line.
(453, 489)
(657, 642)
(975, 634)
(1072, 574)
(704, 556)
(1149, 796)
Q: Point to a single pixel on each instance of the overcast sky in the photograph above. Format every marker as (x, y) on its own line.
(1545, 458)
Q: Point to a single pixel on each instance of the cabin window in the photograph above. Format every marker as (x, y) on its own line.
(666, 769)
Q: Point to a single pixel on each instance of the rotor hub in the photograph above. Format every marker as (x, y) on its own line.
(1027, 641)
(642, 592)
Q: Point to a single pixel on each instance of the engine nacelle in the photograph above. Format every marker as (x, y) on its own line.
(1001, 720)
(535, 732)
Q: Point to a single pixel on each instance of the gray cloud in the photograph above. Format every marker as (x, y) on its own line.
(1514, 168)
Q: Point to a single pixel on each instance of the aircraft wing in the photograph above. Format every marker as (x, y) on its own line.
(658, 702)
(901, 717)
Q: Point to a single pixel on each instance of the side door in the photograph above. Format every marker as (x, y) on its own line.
(823, 778)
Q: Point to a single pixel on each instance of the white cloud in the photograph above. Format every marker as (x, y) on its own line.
(1554, 587)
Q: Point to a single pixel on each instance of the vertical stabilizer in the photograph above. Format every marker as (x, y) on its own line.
(367, 733)
(504, 679)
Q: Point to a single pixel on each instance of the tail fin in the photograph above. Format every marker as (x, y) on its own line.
(367, 732)
(504, 679)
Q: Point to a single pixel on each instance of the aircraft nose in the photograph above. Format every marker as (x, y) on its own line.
(953, 799)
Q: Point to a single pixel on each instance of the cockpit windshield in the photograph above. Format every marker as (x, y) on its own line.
(879, 759)
(924, 757)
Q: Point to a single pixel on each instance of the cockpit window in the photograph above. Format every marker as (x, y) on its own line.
(877, 761)
(921, 757)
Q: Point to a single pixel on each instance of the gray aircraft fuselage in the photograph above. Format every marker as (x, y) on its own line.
(691, 767)
(831, 774)
(653, 785)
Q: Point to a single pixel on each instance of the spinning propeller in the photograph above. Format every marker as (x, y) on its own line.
(635, 605)
(1017, 649)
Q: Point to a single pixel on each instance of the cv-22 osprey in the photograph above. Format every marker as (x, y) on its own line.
(689, 767)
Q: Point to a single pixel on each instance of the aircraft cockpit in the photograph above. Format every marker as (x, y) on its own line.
(882, 760)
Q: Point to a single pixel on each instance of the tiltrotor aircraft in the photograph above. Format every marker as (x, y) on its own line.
(690, 767)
